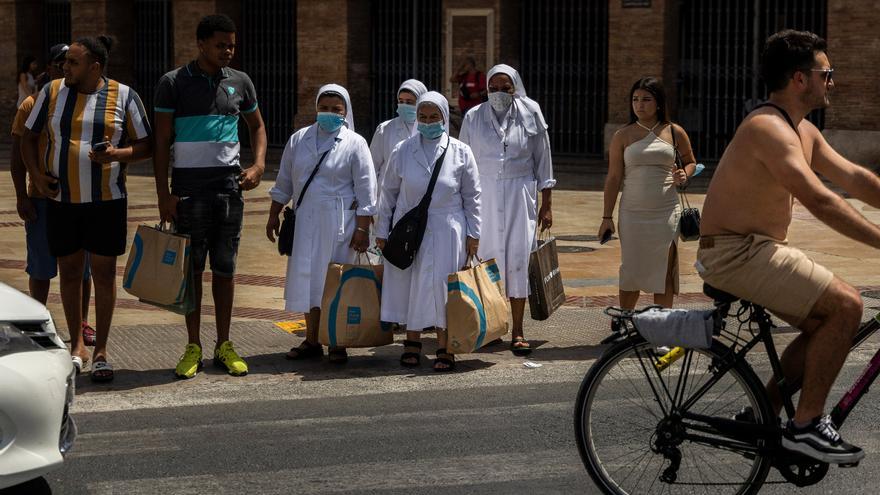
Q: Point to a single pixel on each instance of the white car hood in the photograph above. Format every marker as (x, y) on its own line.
(15, 306)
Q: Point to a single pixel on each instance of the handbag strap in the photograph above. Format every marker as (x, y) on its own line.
(782, 111)
(681, 194)
(311, 177)
(426, 199)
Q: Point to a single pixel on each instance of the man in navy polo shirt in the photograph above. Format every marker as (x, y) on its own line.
(197, 108)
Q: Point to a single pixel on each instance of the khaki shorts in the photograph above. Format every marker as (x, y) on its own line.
(765, 271)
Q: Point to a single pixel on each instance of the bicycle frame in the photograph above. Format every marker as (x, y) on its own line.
(747, 436)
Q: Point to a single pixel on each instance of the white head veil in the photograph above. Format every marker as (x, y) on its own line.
(335, 88)
(527, 109)
(439, 100)
(414, 86)
(417, 88)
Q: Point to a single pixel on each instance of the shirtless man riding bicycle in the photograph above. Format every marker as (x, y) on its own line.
(775, 158)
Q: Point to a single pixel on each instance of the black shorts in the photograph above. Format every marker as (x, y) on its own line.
(213, 222)
(99, 227)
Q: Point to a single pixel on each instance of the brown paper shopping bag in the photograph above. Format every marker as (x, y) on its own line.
(156, 271)
(350, 307)
(546, 292)
(476, 309)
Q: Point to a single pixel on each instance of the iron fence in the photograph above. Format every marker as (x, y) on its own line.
(152, 47)
(564, 68)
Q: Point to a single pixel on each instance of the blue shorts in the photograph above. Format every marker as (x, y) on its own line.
(41, 265)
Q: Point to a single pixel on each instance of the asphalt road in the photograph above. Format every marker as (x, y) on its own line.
(508, 431)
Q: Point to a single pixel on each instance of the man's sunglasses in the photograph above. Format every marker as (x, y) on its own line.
(826, 72)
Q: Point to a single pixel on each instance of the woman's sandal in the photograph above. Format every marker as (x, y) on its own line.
(448, 361)
(305, 350)
(102, 372)
(407, 356)
(337, 355)
(520, 346)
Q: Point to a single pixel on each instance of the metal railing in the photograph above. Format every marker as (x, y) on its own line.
(720, 46)
(153, 47)
(57, 22)
(406, 43)
(564, 68)
(268, 56)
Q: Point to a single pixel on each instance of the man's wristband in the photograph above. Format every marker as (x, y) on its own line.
(361, 229)
(607, 218)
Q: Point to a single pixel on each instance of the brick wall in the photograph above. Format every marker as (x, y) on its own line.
(9, 62)
(186, 15)
(853, 48)
(636, 44)
(359, 59)
(322, 47)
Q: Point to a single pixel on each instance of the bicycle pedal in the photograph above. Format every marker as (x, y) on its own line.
(848, 465)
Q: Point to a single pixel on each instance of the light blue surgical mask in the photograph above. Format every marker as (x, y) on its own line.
(329, 121)
(432, 131)
(407, 112)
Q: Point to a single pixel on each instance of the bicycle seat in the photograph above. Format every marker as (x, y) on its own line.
(719, 295)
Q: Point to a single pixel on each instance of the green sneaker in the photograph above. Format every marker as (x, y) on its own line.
(226, 357)
(190, 363)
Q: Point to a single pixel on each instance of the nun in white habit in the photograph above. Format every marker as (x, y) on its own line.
(508, 135)
(416, 296)
(391, 132)
(333, 221)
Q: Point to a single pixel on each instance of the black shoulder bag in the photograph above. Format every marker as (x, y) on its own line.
(689, 222)
(406, 235)
(285, 234)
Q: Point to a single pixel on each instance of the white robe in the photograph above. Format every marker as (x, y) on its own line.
(325, 221)
(388, 135)
(416, 296)
(511, 176)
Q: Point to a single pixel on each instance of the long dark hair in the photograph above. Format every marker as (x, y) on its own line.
(25, 66)
(655, 87)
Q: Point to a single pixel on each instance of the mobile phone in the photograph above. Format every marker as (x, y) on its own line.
(101, 147)
(606, 236)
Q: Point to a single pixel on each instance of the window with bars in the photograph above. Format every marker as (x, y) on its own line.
(406, 44)
(719, 47)
(564, 54)
(153, 47)
(57, 22)
(268, 56)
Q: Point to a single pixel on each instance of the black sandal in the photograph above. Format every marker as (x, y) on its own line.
(411, 355)
(448, 361)
(520, 350)
(337, 355)
(305, 350)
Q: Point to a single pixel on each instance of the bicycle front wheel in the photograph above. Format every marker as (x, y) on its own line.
(626, 407)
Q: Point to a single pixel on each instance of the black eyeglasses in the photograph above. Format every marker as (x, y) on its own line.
(827, 73)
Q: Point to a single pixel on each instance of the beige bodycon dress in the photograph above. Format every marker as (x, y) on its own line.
(648, 218)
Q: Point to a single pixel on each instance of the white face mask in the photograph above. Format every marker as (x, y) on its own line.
(500, 101)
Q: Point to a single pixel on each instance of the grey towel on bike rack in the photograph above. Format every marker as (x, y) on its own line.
(676, 327)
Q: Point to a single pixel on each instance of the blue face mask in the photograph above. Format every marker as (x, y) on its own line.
(407, 112)
(432, 131)
(329, 121)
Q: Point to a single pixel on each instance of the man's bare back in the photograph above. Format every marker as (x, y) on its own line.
(744, 197)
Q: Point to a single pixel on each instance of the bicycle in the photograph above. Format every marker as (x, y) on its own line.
(695, 420)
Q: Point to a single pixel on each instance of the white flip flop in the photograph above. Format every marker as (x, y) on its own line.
(77, 363)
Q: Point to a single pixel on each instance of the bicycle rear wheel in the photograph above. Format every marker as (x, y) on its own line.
(623, 408)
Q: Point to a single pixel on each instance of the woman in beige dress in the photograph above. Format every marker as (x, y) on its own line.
(642, 160)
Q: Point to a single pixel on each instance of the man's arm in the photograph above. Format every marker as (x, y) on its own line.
(19, 181)
(31, 156)
(856, 180)
(141, 149)
(779, 148)
(257, 130)
(163, 127)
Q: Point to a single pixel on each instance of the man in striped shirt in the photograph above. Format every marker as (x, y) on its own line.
(95, 126)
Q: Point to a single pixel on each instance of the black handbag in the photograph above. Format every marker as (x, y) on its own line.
(285, 234)
(689, 221)
(407, 234)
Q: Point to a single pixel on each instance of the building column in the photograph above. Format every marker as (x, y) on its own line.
(851, 124)
(638, 41)
(322, 52)
(113, 18)
(186, 15)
